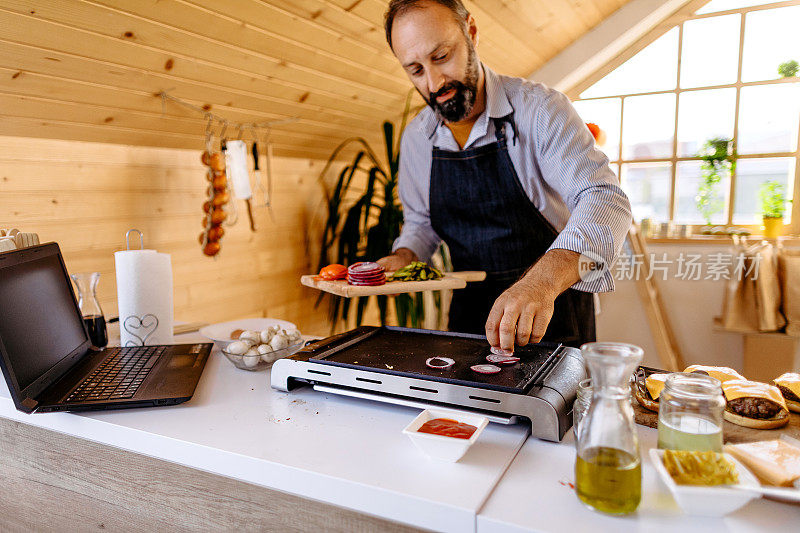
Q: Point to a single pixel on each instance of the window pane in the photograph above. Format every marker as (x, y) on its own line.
(770, 38)
(655, 68)
(688, 194)
(750, 174)
(768, 118)
(725, 5)
(647, 187)
(648, 126)
(604, 113)
(703, 115)
(710, 54)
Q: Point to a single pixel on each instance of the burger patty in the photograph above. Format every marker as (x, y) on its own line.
(789, 395)
(754, 407)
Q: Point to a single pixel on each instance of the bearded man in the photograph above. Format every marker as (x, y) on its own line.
(505, 172)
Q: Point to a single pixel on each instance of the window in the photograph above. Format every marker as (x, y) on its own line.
(714, 75)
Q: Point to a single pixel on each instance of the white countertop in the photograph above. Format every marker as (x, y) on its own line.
(342, 451)
(352, 453)
(535, 495)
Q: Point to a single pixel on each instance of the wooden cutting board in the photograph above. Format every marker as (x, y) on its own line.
(451, 280)
(731, 433)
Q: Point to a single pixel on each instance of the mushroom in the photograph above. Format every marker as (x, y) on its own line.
(264, 348)
(266, 335)
(238, 347)
(293, 335)
(266, 353)
(253, 336)
(279, 342)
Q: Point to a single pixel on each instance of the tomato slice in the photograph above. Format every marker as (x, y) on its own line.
(333, 272)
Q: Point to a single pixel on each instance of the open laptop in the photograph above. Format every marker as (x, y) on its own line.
(47, 357)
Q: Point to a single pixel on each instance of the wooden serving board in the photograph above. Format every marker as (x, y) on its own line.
(451, 280)
(731, 433)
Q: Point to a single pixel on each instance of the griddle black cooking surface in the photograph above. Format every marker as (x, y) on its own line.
(403, 352)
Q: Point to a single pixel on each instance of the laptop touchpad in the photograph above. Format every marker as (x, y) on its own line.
(182, 360)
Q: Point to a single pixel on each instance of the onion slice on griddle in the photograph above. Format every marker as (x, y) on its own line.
(440, 363)
(502, 359)
(485, 369)
(499, 351)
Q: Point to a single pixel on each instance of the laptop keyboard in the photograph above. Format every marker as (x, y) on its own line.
(119, 376)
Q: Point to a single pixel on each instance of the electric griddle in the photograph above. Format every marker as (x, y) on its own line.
(388, 364)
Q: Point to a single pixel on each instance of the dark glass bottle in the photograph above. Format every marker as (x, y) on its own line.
(86, 282)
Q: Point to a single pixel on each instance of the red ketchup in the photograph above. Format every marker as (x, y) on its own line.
(448, 428)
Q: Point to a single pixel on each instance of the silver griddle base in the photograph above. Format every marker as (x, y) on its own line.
(548, 406)
(419, 404)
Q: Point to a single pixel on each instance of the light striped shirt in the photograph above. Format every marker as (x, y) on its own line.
(562, 172)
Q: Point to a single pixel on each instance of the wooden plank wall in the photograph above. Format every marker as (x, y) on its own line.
(85, 196)
(91, 69)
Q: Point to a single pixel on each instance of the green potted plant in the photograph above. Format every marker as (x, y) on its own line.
(719, 159)
(364, 217)
(773, 203)
(788, 69)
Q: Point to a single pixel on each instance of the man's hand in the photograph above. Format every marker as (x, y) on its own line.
(523, 312)
(400, 258)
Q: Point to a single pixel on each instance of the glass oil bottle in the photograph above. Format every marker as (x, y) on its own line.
(608, 470)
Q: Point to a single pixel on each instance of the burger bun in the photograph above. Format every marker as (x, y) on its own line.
(777, 421)
(792, 405)
(644, 398)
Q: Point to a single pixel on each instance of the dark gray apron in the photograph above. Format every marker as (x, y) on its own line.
(479, 208)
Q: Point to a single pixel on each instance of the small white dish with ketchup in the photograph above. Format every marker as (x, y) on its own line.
(445, 434)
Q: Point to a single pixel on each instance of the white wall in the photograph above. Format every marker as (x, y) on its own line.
(690, 305)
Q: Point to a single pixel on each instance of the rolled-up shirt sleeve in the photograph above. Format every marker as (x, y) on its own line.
(600, 213)
(417, 234)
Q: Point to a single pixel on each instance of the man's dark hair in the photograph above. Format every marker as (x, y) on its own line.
(398, 7)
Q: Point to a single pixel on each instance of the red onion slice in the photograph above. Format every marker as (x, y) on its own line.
(364, 267)
(485, 369)
(502, 359)
(367, 283)
(432, 363)
(366, 278)
(499, 351)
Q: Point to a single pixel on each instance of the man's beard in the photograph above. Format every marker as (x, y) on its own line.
(459, 106)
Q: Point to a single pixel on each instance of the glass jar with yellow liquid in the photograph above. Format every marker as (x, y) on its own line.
(608, 470)
(690, 413)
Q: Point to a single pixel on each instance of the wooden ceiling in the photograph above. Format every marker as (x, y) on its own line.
(92, 69)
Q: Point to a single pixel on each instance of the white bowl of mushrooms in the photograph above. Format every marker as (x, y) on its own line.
(257, 350)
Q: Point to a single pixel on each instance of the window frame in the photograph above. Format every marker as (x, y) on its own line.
(678, 19)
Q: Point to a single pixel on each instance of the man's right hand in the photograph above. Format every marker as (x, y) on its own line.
(400, 258)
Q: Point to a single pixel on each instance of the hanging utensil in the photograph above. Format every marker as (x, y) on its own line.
(261, 196)
(249, 201)
(223, 146)
(258, 188)
(269, 177)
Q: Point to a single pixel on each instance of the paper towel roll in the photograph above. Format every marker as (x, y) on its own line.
(144, 296)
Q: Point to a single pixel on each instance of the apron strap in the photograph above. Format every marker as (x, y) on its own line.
(500, 133)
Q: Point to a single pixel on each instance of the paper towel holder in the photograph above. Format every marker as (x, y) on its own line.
(128, 238)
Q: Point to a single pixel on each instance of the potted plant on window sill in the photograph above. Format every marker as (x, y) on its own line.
(789, 69)
(773, 202)
(719, 160)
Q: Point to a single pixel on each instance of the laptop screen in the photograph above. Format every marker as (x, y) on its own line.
(39, 323)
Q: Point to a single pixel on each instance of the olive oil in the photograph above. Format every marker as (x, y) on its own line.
(681, 431)
(609, 480)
